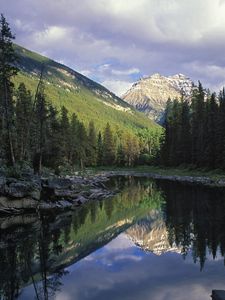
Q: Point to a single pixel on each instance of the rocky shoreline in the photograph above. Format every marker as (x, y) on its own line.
(35, 194)
(192, 180)
(32, 193)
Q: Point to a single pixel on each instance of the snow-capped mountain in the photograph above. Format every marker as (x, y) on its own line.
(151, 234)
(150, 94)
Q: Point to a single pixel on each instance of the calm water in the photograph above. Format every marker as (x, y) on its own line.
(154, 240)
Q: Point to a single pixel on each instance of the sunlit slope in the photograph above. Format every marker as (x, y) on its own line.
(88, 99)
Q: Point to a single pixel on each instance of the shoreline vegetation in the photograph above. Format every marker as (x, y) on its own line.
(210, 178)
(214, 175)
(36, 137)
(31, 193)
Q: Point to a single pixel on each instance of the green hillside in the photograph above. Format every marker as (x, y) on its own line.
(88, 99)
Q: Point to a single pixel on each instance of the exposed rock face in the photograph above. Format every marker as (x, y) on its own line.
(151, 235)
(150, 94)
(54, 193)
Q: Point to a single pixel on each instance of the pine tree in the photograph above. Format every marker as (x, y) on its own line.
(99, 150)
(52, 154)
(82, 141)
(7, 72)
(65, 135)
(197, 125)
(92, 145)
(74, 139)
(210, 132)
(185, 134)
(109, 150)
(165, 141)
(23, 111)
(220, 132)
(39, 127)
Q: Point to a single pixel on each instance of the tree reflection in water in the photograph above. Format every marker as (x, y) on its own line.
(38, 252)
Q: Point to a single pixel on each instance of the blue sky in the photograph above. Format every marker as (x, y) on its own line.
(115, 42)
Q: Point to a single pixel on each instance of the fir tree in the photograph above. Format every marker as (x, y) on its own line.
(185, 134)
(39, 129)
(197, 125)
(92, 145)
(53, 155)
(74, 139)
(81, 145)
(7, 72)
(65, 135)
(109, 151)
(99, 149)
(23, 111)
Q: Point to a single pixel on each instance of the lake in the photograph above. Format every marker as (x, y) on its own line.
(153, 240)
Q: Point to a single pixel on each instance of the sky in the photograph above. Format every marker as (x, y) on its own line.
(116, 42)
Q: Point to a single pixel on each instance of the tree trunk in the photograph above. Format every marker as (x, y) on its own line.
(8, 126)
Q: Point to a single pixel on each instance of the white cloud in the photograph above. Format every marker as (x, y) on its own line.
(114, 39)
(52, 35)
(86, 72)
(126, 72)
(118, 87)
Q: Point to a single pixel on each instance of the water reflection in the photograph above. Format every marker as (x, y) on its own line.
(62, 256)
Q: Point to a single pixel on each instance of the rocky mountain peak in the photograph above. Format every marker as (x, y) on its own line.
(150, 234)
(150, 94)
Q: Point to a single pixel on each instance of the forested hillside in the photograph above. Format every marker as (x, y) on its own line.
(55, 117)
(80, 95)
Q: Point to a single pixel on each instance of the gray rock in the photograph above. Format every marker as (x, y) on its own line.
(2, 185)
(81, 200)
(23, 203)
(68, 194)
(21, 189)
(221, 182)
(59, 183)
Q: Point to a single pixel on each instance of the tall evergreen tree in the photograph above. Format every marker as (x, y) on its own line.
(92, 145)
(52, 154)
(7, 71)
(39, 129)
(109, 150)
(23, 111)
(185, 134)
(197, 125)
(220, 132)
(65, 134)
(81, 145)
(74, 139)
(210, 132)
(99, 149)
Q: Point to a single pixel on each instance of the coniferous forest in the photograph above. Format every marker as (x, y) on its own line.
(112, 175)
(33, 132)
(195, 131)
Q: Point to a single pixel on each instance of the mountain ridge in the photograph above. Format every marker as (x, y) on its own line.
(79, 94)
(150, 94)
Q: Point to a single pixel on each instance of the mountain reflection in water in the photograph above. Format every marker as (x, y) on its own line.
(154, 240)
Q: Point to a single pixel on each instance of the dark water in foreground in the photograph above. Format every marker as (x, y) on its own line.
(154, 240)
